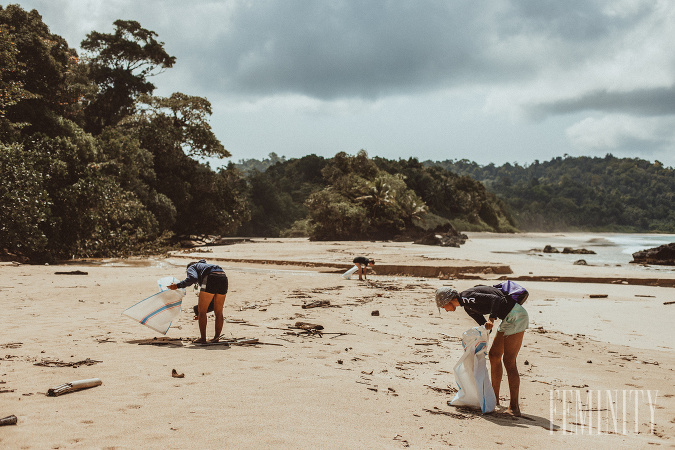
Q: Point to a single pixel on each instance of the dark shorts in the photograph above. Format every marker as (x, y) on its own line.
(215, 283)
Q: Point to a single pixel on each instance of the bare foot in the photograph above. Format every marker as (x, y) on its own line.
(514, 411)
(199, 341)
(215, 339)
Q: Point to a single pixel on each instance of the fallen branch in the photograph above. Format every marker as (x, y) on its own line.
(316, 304)
(448, 413)
(669, 303)
(72, 272)
(9, 420)
(57, 363)
(163, 341)
(74, 386)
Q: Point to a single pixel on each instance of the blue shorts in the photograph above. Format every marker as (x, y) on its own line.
(515, 321)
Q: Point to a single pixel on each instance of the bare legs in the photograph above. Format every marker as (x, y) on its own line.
(218, 311)
(362, 270)
(508, 347)
(203, 305)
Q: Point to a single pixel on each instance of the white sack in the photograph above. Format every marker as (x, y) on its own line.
(348, 274)
(471, 373)
(159, 310)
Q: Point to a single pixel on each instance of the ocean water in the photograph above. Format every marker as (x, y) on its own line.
(619, 248)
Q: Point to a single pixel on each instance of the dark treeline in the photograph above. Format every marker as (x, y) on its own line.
(581, 193)
(356, 197)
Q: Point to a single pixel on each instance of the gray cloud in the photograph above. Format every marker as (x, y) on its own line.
(379, 47)
(640, 102)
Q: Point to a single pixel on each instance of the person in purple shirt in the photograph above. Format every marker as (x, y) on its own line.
(479, 301)
(213, 287)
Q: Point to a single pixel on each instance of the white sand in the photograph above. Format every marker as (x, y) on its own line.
(385, 393)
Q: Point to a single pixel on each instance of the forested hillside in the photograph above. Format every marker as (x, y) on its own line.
(356, 197)
(581, 193)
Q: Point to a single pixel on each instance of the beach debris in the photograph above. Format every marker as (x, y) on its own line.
(175, 374)
(580, 262)
(5, 391)
(375, 313)
(308, 326)
(589, 361)
(58, 363)
(12, 345)
(73, 386)
(316, 304)
(449, 390)
(404, 442)
(9, 420)
(649, 296)
(669, 303)
(448, 413)
(241, 308)
(244, 341)
(72, 272)
(598, 296)
(339, 361)
(163, 341)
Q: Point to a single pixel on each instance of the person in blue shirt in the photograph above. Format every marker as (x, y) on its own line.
(213, 285)
(479, 301)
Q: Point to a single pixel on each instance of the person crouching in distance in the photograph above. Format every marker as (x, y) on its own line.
(362, 263)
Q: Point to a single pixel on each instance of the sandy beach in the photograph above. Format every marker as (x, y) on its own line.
(597, 364)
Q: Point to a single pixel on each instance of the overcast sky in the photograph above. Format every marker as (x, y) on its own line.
(490, 81)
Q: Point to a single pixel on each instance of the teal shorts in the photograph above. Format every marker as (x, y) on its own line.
(515, 321)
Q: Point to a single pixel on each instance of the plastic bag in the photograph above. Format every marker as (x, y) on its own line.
(471, 373)
(159, 310)
(348, 274)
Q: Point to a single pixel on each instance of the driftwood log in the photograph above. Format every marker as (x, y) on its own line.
(308, 326)
(73, 386)
(9, 420)
(316, 304)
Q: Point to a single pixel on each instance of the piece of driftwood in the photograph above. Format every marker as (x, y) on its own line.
(316, 304)
(57, 363)
(308, 326)
(598, 296)
(72, 272)
(447, 413)
(175, 374)
(669, 303)
(74, 386)
(9, 420)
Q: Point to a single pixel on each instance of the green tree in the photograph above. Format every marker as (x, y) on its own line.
(24, 204)
(39, 64)
(120, 64)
